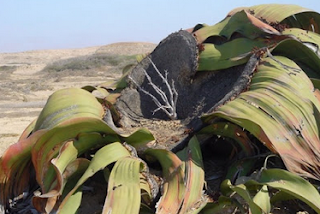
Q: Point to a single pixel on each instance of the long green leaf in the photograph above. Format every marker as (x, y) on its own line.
(173, 187)
(291, 184)
(139, 138)
(194, 200)
(215, 57)
(14, 163)
(248, 26)
(50, 201)
(72, 174)
(66, 104)
(48, 146)
(285, 109)
(67, 154)
(124, 187)
(241, 22)
(242, 190)
(73, 203)
(205, 32)
(262, 199)
(292, 15)
(295, 50)
(102, 158)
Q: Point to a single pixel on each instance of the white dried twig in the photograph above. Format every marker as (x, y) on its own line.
(168, 106)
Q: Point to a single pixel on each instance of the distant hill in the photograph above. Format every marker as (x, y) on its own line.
(126, 48)
(47, 56)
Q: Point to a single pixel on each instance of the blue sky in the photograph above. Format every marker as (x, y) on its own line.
(58, 24)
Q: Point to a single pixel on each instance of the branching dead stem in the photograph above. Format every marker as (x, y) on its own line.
(168, 104)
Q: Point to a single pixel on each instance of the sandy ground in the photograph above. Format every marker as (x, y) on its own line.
(25, 87)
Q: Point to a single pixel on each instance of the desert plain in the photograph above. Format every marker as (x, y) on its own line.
(28, 78)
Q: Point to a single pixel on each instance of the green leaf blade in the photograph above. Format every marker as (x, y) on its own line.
(124, 184)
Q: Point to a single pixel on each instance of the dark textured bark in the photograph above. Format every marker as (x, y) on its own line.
(198, 92)
(177, 54)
